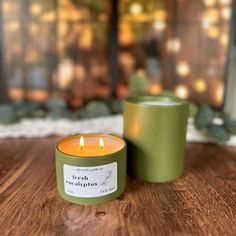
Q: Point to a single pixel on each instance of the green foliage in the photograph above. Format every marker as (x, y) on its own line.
(138, 83)
(218, 134)
(26, 110)
(204, 117)
(55, 103)
(60, 113)
(7, 114)
(193, 109)
(116, 105)
(95, 109)
(229, 124)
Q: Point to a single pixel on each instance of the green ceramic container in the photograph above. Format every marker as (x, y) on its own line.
(91, 180)
(155, 132)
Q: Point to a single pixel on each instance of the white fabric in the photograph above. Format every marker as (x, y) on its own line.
(63, 127)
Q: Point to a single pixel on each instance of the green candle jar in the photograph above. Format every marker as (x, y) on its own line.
(91, 168)
(155, 131)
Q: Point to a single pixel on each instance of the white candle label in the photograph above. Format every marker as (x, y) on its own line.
(86, 182)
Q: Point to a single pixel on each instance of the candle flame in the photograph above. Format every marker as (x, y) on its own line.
(81, 143)
(101, 143)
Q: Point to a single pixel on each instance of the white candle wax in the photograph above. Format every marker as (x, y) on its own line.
(159, 103)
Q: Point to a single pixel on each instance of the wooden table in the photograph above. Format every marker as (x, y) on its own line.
(201, 202)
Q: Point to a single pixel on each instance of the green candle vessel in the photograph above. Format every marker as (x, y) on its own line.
(91, 179)
(155, 132)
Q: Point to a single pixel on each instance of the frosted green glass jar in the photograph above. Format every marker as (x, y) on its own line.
(155, 132)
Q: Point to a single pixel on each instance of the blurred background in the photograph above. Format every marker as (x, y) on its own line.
(82, 50)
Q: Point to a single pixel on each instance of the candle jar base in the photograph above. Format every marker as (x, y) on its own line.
(91, 180)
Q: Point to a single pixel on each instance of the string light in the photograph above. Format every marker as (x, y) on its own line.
(13, 26)
(209, 17)
(35, 9)
(159, 25)
(6, 7)
(225, 2)
(224, 39)
(209, 3)
(174, 45)
(65, 73)
(160, 14)
(200, 85)
(155, 89)
(205, 23)
(183, 68)
(181, 91)
(136, 8)
(213, 32)
(226, 13)
(219, 93)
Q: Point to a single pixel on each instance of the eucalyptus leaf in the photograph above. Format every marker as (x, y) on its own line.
(138, 83)
(193, 109)
(26, 110)
(204, 117)
(7, 114)
(54, 103)
(95, 109)
(116, 105)
(60, 113)
(229, 124)
(218, 134)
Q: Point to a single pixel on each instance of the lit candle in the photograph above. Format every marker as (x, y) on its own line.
(91, 168)
(155, 131)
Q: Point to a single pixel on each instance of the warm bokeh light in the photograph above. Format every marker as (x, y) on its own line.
(209, 17)
(159, 14)
(6, 7)
(65, 73)
(126, 35)
(16, 94)
(226, 13)
(225, 2)
(155, 89)
(205, 23)
(13, 26)
(183, 68)
(200, 85)
(181, 91)
(209, 3)
(136, 8)
(174, 45)
(212, 14)
(219, 93)
(224, 39)
(35, 9)
(213, 32)
(159, 25)
(37, 95)
(49, 16)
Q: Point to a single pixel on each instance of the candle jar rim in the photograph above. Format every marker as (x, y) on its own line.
(92, 156)
(135, 100)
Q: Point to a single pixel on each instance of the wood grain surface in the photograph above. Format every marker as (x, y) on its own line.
(201, 202)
